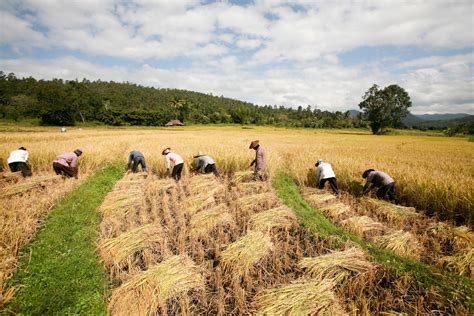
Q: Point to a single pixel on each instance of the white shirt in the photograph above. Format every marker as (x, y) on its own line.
(175, 158)
(325, 171)
(18, 155)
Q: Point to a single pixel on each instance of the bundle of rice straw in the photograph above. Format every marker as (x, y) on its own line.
(279, 217)
(161, 185)
(255, 200)
(253, 187)
(392, 212)
(337, 211)
(120, 202)
(243, 176)
(146, 292)
(401, 243)
(461, 238)
(299, 298)
(337, 266)
(28, 184)
(241, 255)
(317, 200)
(193, 204)
(362, 226)
(462, 263)
(205, 221)
(10, 177)
(115, 252)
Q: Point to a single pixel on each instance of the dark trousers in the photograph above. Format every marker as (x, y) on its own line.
(389, 190)
(211, 168)
(332, 182)
(139, 161)
(176, 173)
(20, 166)
(63, 170)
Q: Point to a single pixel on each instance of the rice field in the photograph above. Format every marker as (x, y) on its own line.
(229, 246)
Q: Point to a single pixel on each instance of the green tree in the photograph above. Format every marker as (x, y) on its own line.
(385, 108)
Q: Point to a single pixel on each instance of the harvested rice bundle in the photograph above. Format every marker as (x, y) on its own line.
(242, 254)
(256, 200)
(318, 200)
(146, 292)
(253, 187)
(363, 226)
(459, 238)
(116, 252)
(161, 185)
(462, 263)
(10, 177)
(243, 176)
(205, 221)
(338, 266)
(391, 212)
(402, 243)
(28, 184)
(279, 217)
(337, 211)
(121, 202)
(194, 204)
(305, 191)
(299, 298)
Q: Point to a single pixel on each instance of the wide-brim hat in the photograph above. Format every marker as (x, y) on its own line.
(165, 151)
(199, 154)
(253, 144)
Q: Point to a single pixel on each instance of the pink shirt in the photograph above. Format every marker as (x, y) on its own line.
(175, 158)
(67, 159)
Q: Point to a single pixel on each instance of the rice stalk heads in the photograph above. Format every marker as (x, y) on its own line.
(243, 176)
(194, 204)
(253, 187)
(337, 211)
(202, 223)
(151, 290)
(391, 212)
(27, 185)
(320, 198)
(458, 238)
(462, 263)
(363, 226)
(299, 298)
(279, 217)
(240, 256)
(160, 186)
(337, 266)
(120, 202)
(251, 202)
(401, 243)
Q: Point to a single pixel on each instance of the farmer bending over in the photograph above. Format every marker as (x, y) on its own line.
(18, 161)
(178, 163)
(206, 164)
(136, 158)
(381, 180)
(260, 161)
(66, 164)
(325, 173)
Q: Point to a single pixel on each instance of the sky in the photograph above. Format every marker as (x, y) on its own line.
(326, 54)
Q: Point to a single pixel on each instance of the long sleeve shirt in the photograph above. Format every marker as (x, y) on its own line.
(324, 171)
(135, 154)
(377, 179)
(18, 155)
(203, 162)
(67, 159)
(260, 159)
(175, 158)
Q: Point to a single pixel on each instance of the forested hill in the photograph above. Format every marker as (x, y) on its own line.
(60, 102)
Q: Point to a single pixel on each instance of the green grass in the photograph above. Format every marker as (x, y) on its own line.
(454, 289)
(59, 272)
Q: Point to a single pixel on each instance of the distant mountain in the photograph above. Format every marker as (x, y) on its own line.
(354, 113)
(412, 119)
(442, 117)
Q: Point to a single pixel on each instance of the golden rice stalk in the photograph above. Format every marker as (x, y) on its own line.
(28, 184)
(10, 177)
(116, 251)
(401, 243)
(362, 225)
(242, 254)
(299, 298)
(198, 202)
(203, 222)
(248, 202)
(243, 176)
(279, 217)
(252, 187)
(316, 200)
(161, 185)
(461, 238)
(121, 202)
(146, 292)
(337, 211)
(337, 266)
(391, 211)
(462, 263)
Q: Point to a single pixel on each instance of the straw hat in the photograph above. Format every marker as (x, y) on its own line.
(165, 151)
(253, 144)
(199, 154)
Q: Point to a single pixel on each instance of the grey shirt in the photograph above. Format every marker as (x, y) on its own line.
(203, 161)
(133, 156)
(378, 179)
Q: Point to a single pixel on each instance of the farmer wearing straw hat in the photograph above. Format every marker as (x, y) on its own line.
(66, 164)
(136, 158)
(178, 163)
(18, 161)
(260, 160)
(206, 164)
(325, 173)
(381, 180)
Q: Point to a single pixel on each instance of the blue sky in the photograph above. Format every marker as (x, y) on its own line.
(320, 53)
